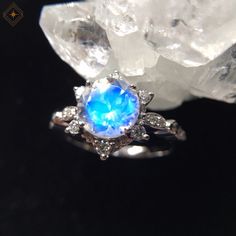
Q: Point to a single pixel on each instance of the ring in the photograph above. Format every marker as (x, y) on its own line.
(111, 118)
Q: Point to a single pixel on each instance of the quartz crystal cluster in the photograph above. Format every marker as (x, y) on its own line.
(177, 49)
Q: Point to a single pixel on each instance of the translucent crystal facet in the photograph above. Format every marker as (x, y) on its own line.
(77, 37)
(202, 29)
(176, 49)
(109, 108)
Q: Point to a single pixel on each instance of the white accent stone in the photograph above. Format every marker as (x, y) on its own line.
(145, 96)
(73, 127)
(138, 132)
(69, 113)
(154, 120)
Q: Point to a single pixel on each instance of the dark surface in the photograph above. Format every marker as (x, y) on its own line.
(49, 187)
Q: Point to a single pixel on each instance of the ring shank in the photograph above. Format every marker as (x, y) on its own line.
(129, 151)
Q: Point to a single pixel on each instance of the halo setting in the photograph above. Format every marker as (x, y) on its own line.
(111, 114)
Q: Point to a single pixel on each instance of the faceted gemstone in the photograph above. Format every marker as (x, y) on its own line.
(103, 148)
(69, 113)
(154, 120)
(145, 96)
(73, 127)
(109, 107)
(138, 132)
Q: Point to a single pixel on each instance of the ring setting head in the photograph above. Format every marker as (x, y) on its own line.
(108, 107)
(111, 114)
(108, 114)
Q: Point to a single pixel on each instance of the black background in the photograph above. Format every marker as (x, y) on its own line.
(48, 187)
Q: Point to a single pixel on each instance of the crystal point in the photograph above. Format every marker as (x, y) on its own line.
(76, 37)
(176, 49)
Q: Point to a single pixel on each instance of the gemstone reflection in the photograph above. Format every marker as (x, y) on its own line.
(109, 107)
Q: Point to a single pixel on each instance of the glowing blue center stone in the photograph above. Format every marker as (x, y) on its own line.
(109, 107)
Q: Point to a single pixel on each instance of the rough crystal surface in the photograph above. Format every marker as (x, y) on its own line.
(176, 49)
(109, 107)
(77, 38)
(202, 29)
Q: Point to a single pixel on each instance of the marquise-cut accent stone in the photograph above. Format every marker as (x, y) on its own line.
(76, 37)
(138, 132)
(145, 96)
(154, 120)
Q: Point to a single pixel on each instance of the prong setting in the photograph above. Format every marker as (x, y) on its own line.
(105, 146)
(146, 137)
(133, 86)
(88, 83)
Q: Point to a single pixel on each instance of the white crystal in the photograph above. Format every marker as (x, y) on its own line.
(120, 17)
(175, 49)
(202, 29)
(218, 79)
(76, 37)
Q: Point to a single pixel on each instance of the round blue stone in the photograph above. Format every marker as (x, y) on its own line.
(109, 108)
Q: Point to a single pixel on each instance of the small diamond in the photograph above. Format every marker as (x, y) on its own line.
(154, 120)
(103, 148)
(69, 112)
(73, 127)
(138, 132)
(145, 96)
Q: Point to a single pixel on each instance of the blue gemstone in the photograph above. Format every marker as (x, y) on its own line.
(109, 108)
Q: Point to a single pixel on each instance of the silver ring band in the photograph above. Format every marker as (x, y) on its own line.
(162, 141)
